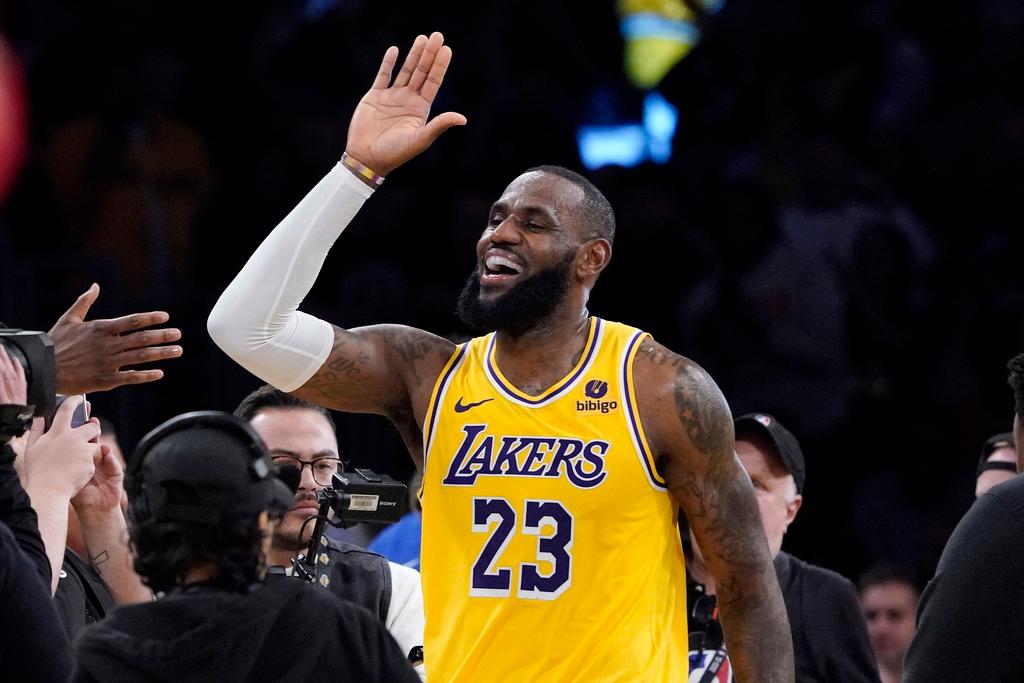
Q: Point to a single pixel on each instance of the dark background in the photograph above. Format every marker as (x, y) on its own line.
(837, 237)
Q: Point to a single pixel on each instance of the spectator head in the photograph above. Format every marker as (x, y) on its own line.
(998, 462)
(300, 435)
(772, 457)
(888, 596)
(1016, 381)
(199, 491)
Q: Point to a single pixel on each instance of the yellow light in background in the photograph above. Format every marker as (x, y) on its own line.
(658, 34)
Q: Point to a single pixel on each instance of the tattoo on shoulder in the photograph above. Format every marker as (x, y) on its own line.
(701, 412)
(412, 346)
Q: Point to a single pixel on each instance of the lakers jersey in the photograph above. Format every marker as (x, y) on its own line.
(550, 548)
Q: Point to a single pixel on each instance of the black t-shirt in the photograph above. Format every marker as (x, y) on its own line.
(82, 598)
(830, 638)
(970, 621)
(281, 631)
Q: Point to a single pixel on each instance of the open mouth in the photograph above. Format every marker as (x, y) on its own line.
(498, 268)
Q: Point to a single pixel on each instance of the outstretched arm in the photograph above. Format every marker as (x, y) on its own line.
(690, 428)
(257, 321)
(96, 355)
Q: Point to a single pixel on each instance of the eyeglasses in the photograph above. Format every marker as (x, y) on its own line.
(323, 469)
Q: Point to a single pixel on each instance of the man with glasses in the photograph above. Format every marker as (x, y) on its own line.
(303, 435)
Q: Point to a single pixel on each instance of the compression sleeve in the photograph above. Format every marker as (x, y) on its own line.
(256, 321)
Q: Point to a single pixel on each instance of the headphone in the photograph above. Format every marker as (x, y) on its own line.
(259, 466)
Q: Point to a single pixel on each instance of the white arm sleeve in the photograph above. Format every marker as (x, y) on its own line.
(405, 611)
(256, 321)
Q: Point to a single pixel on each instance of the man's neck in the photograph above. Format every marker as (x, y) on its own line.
(890, 675)
(280, 556)
(200, 573)
(534, 360)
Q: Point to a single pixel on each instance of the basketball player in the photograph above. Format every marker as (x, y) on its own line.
(555, 449)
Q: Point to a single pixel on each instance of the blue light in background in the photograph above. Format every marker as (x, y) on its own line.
(607, 145)
(660, 119)
(631, 144)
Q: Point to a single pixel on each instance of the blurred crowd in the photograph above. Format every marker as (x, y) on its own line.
(836, 237)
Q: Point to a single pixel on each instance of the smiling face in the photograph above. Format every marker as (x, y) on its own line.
(533, 255)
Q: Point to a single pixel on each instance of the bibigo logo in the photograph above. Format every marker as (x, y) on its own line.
(594, 390)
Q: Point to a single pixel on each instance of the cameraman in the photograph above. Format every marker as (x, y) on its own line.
(32, 644)
(297, 431)
(199, 489)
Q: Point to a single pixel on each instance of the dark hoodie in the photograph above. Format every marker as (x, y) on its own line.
(284, 631)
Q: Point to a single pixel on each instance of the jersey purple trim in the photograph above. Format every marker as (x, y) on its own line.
(567, 382)
(654, 478)
(438, 399)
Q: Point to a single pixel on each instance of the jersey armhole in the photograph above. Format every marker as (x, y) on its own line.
(436, 400)
(636, 428)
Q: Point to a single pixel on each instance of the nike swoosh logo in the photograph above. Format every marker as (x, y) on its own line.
(461, 407)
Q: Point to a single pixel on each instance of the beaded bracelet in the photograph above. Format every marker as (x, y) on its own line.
(359, 169)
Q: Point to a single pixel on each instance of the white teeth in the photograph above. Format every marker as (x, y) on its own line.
(494, 261)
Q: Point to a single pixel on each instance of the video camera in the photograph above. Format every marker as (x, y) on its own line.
(362, 495)
(358, 496)
(34, 351)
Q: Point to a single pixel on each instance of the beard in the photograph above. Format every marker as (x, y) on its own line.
(293, 531)
(526, 304)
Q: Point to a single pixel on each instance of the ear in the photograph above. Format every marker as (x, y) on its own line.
(793, 507)
(592, 257)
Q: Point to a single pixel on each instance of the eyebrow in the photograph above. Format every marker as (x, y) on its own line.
(530, 211)
(318, 454)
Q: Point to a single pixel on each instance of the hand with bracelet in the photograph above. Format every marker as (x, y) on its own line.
(390, 126)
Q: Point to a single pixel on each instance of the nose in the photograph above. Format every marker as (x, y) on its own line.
(306, 481)
(507, 232)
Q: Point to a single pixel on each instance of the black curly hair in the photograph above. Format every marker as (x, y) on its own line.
(1016, 382)
(164, 551)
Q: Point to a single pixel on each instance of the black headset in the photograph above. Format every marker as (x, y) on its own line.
(260, 465)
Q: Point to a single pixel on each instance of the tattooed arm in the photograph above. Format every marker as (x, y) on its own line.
(689, 426)
(385, 369)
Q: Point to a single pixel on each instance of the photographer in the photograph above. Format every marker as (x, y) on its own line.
(32, 644)
(199, 489)
(302, 435)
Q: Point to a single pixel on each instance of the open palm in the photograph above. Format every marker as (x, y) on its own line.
(389, 126)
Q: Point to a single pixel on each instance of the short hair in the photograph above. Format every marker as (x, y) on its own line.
(597, 210)
(267, 397)
(880, 574)
(1016, 382)
(164, 551)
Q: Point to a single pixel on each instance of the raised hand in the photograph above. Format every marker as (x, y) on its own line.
(91, 355)
(389, 126)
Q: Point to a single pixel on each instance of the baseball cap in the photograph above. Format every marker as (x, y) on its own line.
(786, 445)
(1001, 440)
(203, 467)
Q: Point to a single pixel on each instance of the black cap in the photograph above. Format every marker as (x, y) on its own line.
(204, 468)
(786, 445)
(1001, 440)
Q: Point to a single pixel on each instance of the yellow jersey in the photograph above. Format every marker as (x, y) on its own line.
(550, 548)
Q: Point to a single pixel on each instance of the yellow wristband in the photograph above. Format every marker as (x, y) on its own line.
(371, 177)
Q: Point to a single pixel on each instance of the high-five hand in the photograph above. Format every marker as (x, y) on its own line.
(389, 126)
